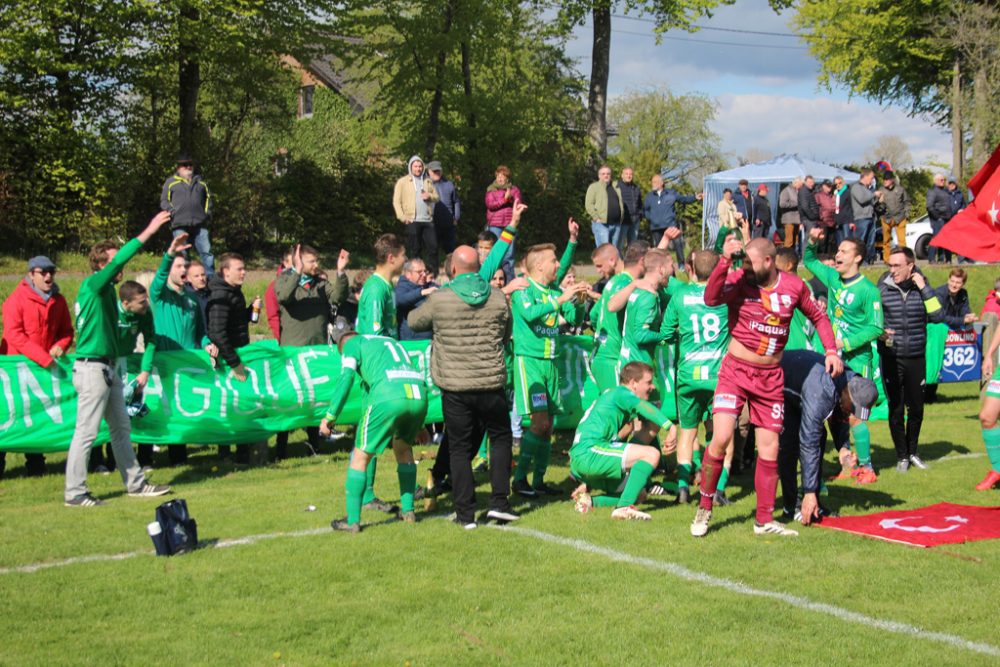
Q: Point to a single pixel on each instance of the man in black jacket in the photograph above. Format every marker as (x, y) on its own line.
(187, 198)
(228, 320)
(808, 208)
(939, 211)
(632, 199)
(813, 398)
(760, 225)
(908, 304)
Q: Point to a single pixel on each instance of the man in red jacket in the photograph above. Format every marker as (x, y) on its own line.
(36, 324)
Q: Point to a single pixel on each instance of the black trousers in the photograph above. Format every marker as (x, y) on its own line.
(904, 389)
(421, 242)
(788, 457)
(467, 416)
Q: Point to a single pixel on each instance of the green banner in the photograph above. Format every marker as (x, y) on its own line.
(287, 388)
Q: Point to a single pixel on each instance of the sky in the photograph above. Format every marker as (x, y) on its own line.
(768, 98)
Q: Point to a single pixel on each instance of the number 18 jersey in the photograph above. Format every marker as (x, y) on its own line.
(701, 334)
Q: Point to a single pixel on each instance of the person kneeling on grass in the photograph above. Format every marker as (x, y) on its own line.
(599, 459)
(393, 403)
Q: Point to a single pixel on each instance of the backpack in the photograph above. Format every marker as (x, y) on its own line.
(174, 531)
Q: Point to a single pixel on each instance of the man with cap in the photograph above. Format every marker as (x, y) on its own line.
(814, 398)
(393, 405)
(761, 227)
(187, 198)
(447, 209)
(36, 324)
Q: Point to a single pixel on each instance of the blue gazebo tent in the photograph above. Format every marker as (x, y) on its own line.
(776, 173)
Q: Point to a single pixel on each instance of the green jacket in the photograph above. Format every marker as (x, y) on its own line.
(597, 201)
(306, 307)
(179, 322)
(130, 325)
(97, 308)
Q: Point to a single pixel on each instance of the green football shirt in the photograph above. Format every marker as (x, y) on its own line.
(701, 333)
(385, 370)
(608, 325)
(536, 313)
(643, 317)
(605, 417)
(377, 308)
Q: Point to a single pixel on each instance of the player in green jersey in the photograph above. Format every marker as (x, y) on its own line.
(536, 312)
(989, 414)
(702, 337)
(855, 310)
(377, 317)
(602, 459)
(393, 405)
(647, 298)
(608, 325)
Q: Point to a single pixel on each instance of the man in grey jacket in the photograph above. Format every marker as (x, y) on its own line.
(863, 204)
(190, 203)
(897, 213)
(471, 324)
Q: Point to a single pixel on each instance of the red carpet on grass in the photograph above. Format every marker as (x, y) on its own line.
(943, 523)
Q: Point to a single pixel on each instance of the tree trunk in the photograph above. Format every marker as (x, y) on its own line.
(434, 117)
(189, 79)
(957, 150)
(470, 109)
(981, 104)
(597, 105)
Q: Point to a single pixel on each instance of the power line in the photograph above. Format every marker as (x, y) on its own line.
(717, 29)
(714, 42)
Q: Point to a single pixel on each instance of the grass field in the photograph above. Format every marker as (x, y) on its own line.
(274, 586)
(433, 594)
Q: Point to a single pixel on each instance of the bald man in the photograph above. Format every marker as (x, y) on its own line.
(470, 323)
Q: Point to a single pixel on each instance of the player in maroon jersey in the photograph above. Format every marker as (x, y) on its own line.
(761, 301)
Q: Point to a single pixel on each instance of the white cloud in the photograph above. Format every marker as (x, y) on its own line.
(825, 129)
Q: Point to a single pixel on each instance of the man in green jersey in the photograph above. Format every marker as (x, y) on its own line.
(601, 459)
(99, 388)
(855, 309)
(393, 404)
(702, 337)
(536, 310)
(608, 325)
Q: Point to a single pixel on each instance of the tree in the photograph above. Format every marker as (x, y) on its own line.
(662, 132)
(668, 14)
(893, 149)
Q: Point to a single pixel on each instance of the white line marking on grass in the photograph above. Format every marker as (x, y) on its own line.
(971, 455)
(96, 558)
(682, 572)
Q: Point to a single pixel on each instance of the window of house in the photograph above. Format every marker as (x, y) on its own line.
(306, 101)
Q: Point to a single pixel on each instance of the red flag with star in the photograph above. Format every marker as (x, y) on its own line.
(974, 232)
(943, 523)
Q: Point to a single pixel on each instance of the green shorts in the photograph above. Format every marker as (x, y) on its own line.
(536, 386)
(693, 405)
(993, 386)
(861, 363)
(400, 417)
(605, 371)
(600, 466)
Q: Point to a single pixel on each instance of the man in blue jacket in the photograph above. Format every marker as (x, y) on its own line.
(659, 207)
(447, 209)
(939, 210)
(813, 399)
(412, 289)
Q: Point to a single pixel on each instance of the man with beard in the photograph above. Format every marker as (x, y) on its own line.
(761, 303)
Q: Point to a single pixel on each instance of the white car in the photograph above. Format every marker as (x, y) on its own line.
(918, 235)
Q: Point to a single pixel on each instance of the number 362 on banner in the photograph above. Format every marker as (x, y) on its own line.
(962, 357)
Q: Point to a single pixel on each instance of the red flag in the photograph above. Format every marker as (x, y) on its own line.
(943, 523)
(974, 232)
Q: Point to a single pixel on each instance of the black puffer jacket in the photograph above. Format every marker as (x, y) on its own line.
(228, 319)
(907, 312)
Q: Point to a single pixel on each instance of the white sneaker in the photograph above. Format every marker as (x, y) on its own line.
(629, 513)
(700, 524)
(773, 528)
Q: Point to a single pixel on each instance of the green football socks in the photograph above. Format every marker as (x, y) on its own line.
(355, 490)
(862, 443)
(723, 478)
(696, 457)
(992, 439)
(543, 451)
(370, 481)
(683, 475)
(605, 501)
(637, 478)
(529, 441)
(407, 473)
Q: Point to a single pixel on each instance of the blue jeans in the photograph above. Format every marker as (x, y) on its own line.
(677, 245)
(935, 254)
(605, 233)
(629, 234)
(508, 260)
(864, 230)
(198, 237)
